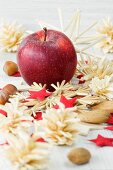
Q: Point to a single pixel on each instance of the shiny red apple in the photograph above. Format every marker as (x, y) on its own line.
(47, 57)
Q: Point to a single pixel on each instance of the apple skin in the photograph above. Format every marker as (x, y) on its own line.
(47, 62)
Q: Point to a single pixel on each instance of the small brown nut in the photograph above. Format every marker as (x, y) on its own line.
(10, 89)
(10, 68)
(79, 156)
(3, 97)
(93, 116)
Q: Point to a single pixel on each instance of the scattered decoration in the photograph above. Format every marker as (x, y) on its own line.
(17, 74)
(109, 128)
(95, 67)
(11, 35)
(106, 31)
(110, 120)
(41, 94)
(102, 88)
(59, 125)
(102, 141)
(26, 153)
(79, 156)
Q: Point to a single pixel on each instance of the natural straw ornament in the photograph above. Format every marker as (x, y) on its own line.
(92, 67)
(15, 119)
(11, 35)
(60, 125)
(103, 87)
(26, 153)
(106, 31)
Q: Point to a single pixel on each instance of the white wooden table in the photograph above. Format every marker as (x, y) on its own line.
(27, 12)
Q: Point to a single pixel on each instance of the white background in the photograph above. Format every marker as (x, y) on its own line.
(28, 12)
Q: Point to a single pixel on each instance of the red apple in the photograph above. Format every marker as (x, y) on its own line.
(47, 57)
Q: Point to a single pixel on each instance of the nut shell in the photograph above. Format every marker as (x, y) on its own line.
(106, 105)
(3, 97)
(94, 116)
(79, 156)
(10, 68)
(10, 89)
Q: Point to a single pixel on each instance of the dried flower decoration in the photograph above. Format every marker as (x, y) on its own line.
(102, 87)
(94, 67)
(59, 125)
(11, 35)
(106, 31)
(15, 119)
(36, 86)
(25, 153)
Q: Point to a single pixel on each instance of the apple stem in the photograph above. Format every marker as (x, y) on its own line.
(45, 31)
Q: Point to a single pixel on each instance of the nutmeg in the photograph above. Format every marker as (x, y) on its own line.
(3, 97)
(79, 156)
(10, 89)
(10, 68)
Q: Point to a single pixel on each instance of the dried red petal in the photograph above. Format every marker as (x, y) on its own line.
(5, 143)
(68, 102)
(80, 76)
(3, 112)
(102, 141)
(86, 61)
(17, 74)
(56, 106)
(40, 95)
(110, 120)
(81, 81)
(38, 116)
(24, 101)
(40, 140)
(109, 128)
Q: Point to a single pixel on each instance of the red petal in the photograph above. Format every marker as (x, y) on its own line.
(110, 120)
(17, 74)
(109, 128)
(80, 76)
(38, 116)
(86, 61)
(3, 112)
(56, 106)
(102, 141)
(24, 101)
(41, 94)
(81, 81)
(40, 140)
(6, 143)
(68, 102)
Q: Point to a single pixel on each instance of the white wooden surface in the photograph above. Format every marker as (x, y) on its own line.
(27, 12)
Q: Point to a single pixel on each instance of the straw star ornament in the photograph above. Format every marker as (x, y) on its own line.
(11, 35)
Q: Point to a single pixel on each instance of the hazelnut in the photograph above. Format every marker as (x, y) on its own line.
(3, 97)
(10, 89)
(79, 156)
(10, 68)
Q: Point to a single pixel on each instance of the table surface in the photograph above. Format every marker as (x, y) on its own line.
(28, 13)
